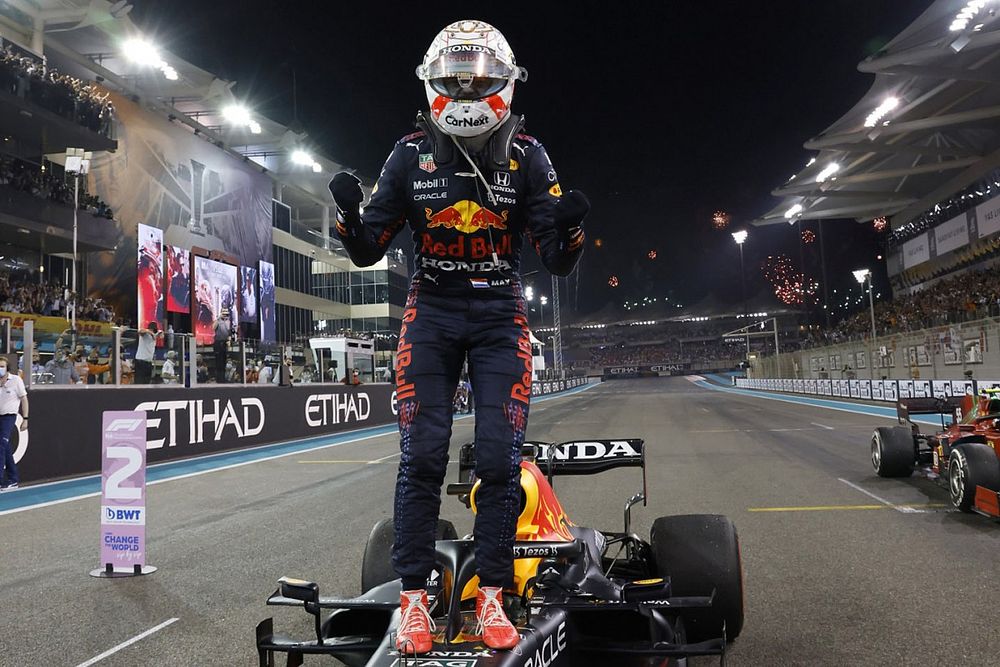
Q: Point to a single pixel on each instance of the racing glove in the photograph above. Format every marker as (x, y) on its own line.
(570, 210)
(346, 191)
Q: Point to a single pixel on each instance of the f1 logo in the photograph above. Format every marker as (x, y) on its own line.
(124, 425)
(502, 178)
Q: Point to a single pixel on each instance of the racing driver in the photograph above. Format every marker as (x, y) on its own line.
(473, 188)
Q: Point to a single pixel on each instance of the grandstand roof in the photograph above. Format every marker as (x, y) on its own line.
(85, 38)
(943, 134)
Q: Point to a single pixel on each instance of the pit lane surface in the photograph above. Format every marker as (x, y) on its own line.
(840, 566)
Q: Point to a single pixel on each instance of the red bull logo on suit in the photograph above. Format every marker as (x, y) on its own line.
(467, 217)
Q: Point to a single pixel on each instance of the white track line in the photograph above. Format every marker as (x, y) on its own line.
(905, 509)
(384, 458)
(829, 428)
(127, 643)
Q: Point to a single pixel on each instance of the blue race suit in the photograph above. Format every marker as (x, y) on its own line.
(465, 303)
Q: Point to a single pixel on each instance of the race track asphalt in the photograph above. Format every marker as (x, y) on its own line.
(893, 580)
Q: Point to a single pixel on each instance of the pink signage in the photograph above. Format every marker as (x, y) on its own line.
(123, 490)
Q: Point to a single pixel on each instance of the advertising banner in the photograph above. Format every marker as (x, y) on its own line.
(170, 179)
(149, 271)
(878, 390)
(123, 490)
(906, 388)
(952, 235)
(988, 217)
(268, 332)
(916, 251)
(190, 422)
(248, 296)
(890, 390)
(962, 387)
(941, 388)
(922, 389)
(178, 280)
(215, 293)
(865, 387)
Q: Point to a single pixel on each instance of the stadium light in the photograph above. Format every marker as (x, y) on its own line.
(861, 275)
(240, 116)
(304, 159)
(888, 104)
(965, 15)
(143, 52)
(740, 236)
(793, 211)
(529, 293)
(828, 171)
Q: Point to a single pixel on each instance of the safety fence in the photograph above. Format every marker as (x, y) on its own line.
(872, 390)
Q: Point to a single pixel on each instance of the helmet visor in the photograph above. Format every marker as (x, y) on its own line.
(468, 72)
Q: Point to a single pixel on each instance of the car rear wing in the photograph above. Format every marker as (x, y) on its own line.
(946, 405)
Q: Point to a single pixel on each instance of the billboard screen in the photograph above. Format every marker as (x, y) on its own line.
(149, 271)
(266, 303)
(178, 280)
(215, 291)
(248, 295)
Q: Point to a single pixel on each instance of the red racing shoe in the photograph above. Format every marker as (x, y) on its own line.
(415, 625)
(494, 626)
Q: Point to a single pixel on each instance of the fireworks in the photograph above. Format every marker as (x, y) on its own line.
(790, 286)
(651, 254)
(613, 281)
(721, 219)
(808, 236)
(880, 224)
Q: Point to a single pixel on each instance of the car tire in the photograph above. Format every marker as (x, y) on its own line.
(376, 564)
(701, 553)
(971, 464)
(893, 451)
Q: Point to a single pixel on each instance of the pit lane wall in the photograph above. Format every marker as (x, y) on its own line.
(64, 435)
(869, 390)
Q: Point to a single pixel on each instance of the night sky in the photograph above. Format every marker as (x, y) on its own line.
(660, 112)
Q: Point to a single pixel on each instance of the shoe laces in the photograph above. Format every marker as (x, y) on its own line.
(416, 618)
(491, 614)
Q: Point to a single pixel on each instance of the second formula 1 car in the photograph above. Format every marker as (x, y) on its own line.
(582, 596)
(963, 454)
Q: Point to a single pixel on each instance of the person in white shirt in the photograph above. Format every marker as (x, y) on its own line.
(264, 374)
(13, 399)
(169, 370)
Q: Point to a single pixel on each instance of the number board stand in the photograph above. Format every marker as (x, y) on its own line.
(123, 496)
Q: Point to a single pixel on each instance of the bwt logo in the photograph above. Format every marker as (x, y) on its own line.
(118, 515)
(128, 425)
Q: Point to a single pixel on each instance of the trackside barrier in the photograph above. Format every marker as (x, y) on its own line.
(65, 435)
(874, 390)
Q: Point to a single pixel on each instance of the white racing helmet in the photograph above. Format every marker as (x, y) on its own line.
(469, 73)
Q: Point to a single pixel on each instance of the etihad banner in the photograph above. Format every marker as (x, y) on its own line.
(215, 294)
(165, 177)
(267, 322)
(178, 280)
(149, 271)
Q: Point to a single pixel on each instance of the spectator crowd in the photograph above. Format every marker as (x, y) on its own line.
(968, 296)
(20, 294)
(65, 95)
(46, 184)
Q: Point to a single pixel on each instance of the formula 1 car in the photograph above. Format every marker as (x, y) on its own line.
(583, 596)
(963, 454)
